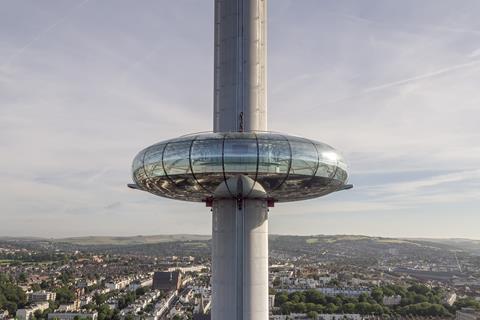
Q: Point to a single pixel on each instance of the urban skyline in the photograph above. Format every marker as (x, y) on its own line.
(401, 83)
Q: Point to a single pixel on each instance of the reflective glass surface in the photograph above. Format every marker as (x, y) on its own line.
(138, 169)
(274, 160)
(206, 161)
(192, 167)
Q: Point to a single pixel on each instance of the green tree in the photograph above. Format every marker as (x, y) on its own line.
(22, 278)
(349, 308)
(377, 294)
(140, 291)
(65, 295)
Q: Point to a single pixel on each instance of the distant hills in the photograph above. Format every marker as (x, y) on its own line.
(461, 244)
(105, 240)
(468, 245)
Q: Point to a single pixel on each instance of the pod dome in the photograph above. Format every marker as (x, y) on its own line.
(194, 167)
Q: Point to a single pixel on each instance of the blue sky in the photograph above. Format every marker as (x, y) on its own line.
(394, 85)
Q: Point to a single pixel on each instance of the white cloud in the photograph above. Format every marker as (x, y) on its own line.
(392, 85)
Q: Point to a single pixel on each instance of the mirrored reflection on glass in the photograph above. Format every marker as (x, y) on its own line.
(153, 161)
(289, 168)
(340, 175)
(139, 175)
(274, 161)
(207, 162)
(304, 158)
(240, 156)
(176, 160)
(303, 167)
(157, 182)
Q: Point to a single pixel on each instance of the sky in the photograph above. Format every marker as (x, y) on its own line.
(393, 85)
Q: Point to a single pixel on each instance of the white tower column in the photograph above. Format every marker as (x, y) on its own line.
(240, 260)
(240, 99)
(240, 226)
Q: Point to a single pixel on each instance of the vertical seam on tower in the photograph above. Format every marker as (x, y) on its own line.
(240, 61)
(216, 75)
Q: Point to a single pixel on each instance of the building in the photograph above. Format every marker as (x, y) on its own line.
(69, 307)
(167, 281)
(467, 314)
(140, 284)
(240, 170)
(303, 316)
(40, 296)
(3, 314)
(72, 315)
(118, 284)
(271, 301)
(28, 312)
(85, 300)
(337, 291)
(450, 298)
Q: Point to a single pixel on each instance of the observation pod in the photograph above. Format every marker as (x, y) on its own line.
(207, 166)
(241, 169)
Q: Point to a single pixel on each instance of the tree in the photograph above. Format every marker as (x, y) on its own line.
(281, 298)
(65, 295)
(99, 298)
(312, 315)
(315, 296)
(349, 308)
(36, 287)
(140, 291)
(377, 295)
(22, 278)
(12, 296)
(38, 314)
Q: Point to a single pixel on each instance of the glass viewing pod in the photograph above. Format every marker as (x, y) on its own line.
(192, 167)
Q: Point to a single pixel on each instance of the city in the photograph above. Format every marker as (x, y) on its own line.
(239, 160)
(316, 277)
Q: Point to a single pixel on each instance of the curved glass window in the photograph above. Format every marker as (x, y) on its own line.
(176, 158)
(139, 175)
(327, 161)
(153, 160)
(157, 181)
(274, 160)
(240, 156)
(206, 158)
(304, 157)
(192, 167)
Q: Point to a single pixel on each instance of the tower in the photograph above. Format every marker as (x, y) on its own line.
(240, 169)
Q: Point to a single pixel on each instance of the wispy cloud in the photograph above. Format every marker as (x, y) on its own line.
(428, 75)
(40, 34)
(392, 85)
